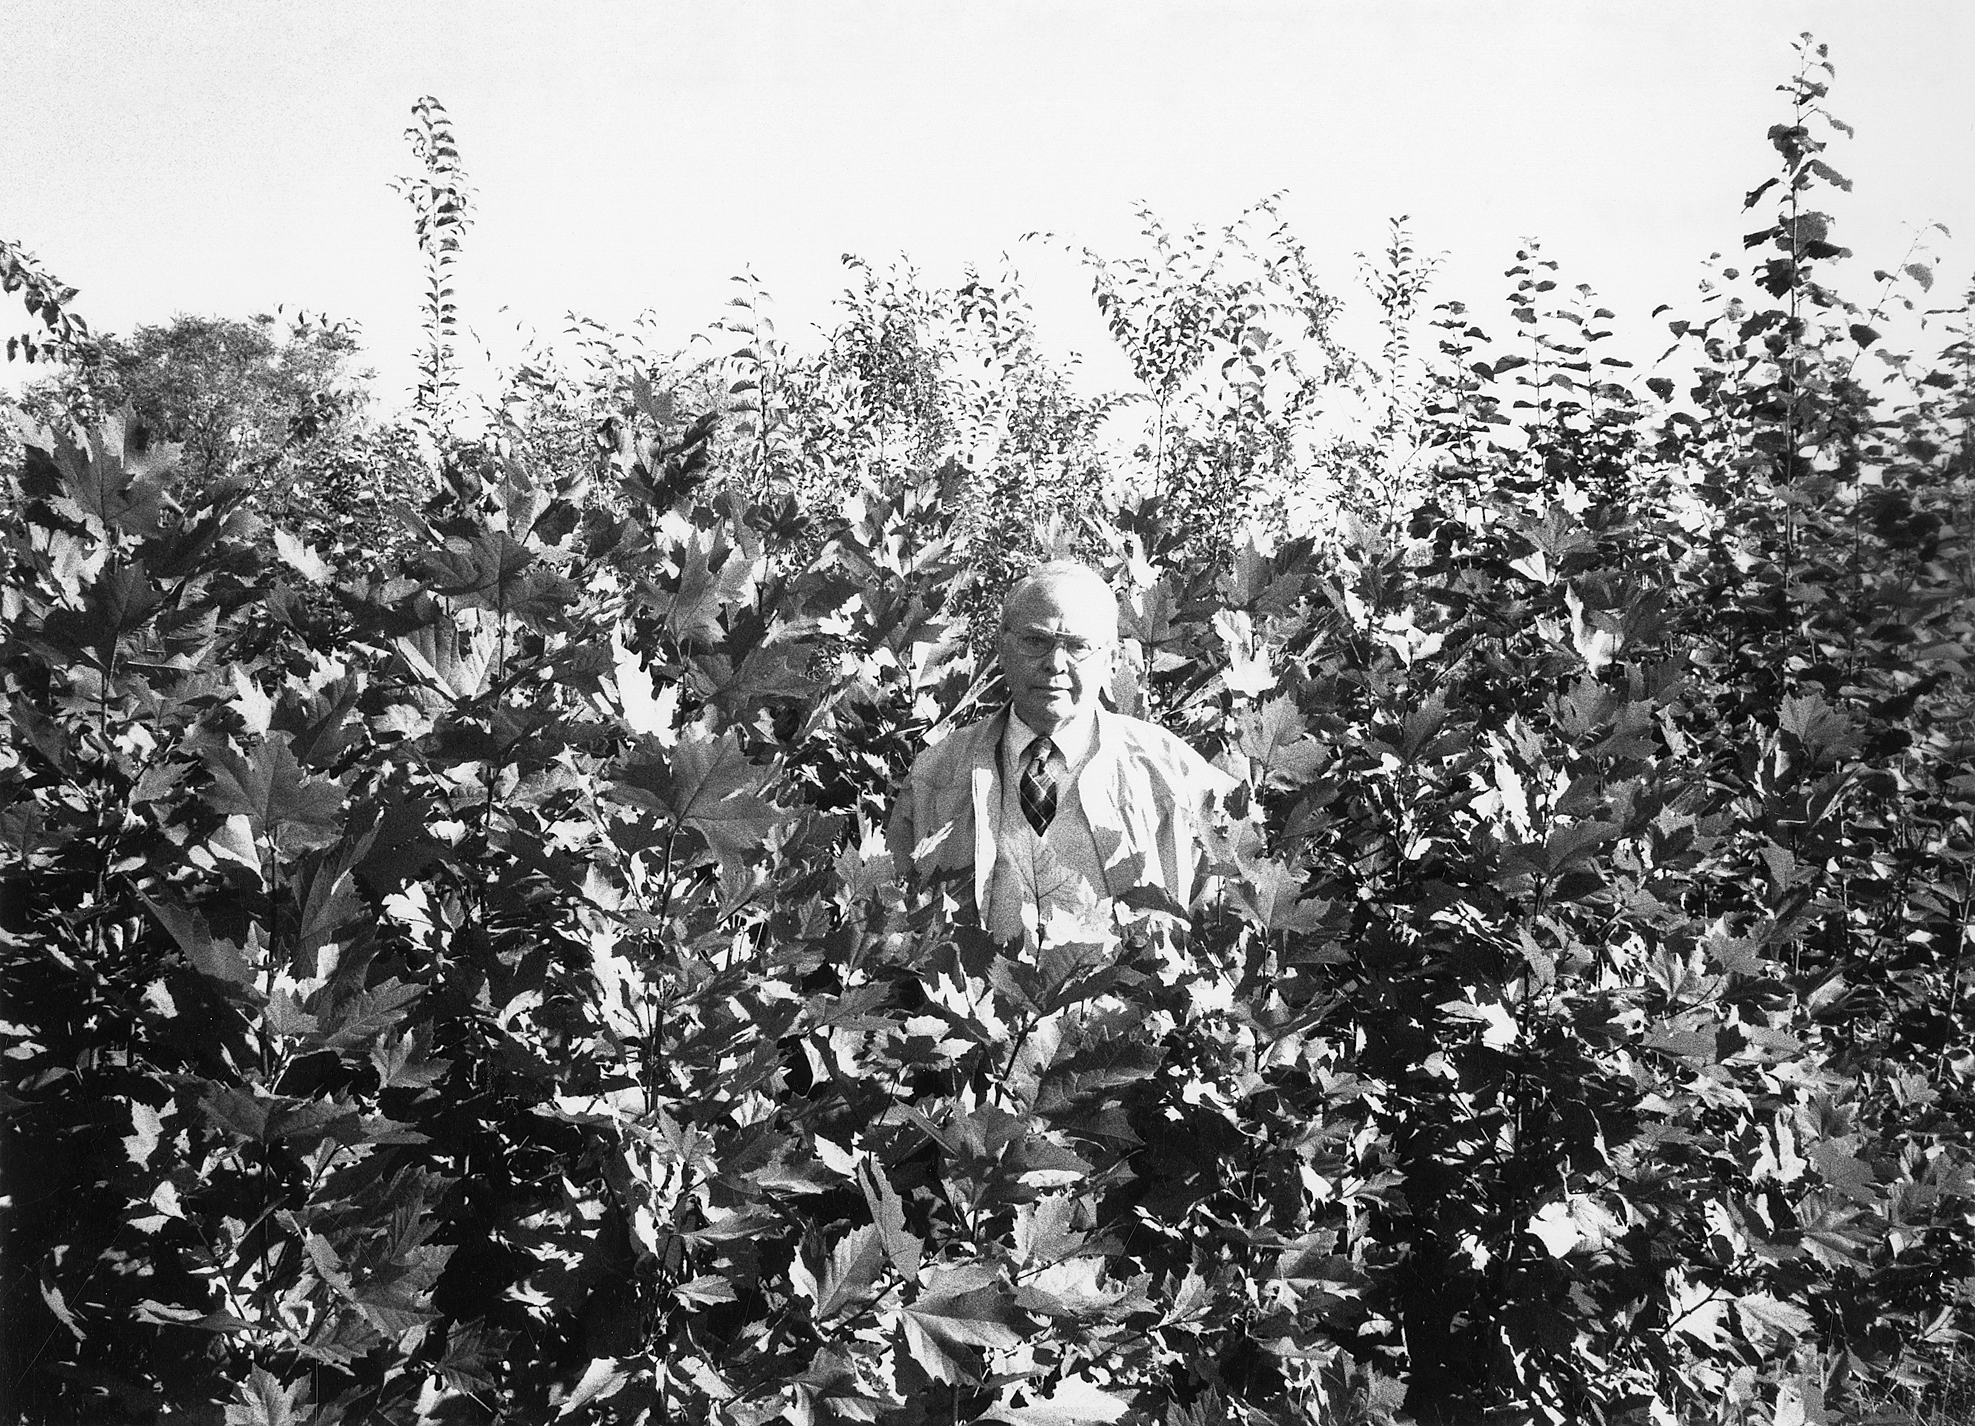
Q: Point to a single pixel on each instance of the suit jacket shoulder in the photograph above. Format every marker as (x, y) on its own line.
(1163, 751)
(959, 751)
(937, 796)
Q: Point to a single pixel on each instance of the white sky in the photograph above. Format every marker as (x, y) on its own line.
(223, 158)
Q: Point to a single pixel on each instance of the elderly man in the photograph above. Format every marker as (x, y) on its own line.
(1056, 807)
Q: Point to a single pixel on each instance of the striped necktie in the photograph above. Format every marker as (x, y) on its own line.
(1038, 787)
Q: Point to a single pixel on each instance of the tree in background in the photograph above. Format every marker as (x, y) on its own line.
(279, 408)
(233, 395)
(65, 337)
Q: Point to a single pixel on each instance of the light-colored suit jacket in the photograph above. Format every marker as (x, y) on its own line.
(1146, 794)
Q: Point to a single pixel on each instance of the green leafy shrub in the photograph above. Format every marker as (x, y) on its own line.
(458, 977)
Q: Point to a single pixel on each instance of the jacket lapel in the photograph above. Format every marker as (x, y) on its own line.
(1113, 803)
(984, 791)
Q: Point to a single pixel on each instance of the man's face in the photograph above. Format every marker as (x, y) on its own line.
(1058, 644)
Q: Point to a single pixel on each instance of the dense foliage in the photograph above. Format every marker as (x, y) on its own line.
(458, 977)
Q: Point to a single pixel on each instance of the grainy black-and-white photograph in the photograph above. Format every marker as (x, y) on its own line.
(1101, 713)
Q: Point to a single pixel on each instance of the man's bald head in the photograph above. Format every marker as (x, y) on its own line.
(1070, 585)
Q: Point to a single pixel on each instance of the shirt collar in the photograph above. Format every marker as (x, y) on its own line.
(1075, 741)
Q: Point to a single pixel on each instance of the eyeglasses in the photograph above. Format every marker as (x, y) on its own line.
(1037, 645)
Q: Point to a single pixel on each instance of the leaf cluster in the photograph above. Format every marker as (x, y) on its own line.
(460, 978)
